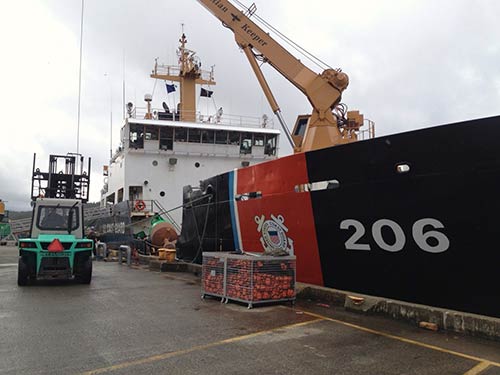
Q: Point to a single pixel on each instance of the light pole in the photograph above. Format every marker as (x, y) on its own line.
(110, 117)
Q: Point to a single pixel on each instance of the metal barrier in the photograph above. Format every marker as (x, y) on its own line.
(101, 250)
(127, 252)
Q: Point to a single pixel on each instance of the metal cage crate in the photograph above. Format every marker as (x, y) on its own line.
(252, 279)
(213, 275)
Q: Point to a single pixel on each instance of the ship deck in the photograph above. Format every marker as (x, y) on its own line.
(131, 320)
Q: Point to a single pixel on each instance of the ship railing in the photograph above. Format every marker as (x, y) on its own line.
(369, 132)
(218, 118)
(20, 225)
(171, 70)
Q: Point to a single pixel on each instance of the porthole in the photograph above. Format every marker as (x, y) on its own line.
(197, 165)
(155, 163)
(162, 193)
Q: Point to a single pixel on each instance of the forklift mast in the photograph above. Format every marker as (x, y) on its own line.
(65, 179)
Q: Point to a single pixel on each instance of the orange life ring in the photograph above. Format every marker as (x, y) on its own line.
(140, 205)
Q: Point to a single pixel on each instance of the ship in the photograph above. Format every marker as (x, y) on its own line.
(163, 149)
(410, 216)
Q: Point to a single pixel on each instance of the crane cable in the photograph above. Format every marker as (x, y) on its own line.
(315, 60)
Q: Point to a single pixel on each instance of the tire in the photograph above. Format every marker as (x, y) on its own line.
(84, 275)
(22, 273)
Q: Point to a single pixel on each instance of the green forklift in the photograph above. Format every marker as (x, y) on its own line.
(57, 247)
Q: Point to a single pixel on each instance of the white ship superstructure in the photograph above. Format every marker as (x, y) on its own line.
(162, 151)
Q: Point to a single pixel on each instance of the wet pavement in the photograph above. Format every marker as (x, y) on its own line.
(133, 321)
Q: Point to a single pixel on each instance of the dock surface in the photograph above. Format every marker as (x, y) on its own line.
(133, 321)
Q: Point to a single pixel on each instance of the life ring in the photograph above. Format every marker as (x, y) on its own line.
(140, 205)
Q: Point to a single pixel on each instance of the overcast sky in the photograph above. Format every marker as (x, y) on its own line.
(411, 63)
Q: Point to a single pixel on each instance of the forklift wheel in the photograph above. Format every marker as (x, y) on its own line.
(85, 272)
(22, 273)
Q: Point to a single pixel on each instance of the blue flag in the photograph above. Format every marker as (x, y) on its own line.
(170, 88)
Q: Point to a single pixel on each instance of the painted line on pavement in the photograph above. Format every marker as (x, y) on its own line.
(478, 369)
(163, 356)
(405, 340)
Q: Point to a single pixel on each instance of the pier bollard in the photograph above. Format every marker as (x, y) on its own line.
(125, 251)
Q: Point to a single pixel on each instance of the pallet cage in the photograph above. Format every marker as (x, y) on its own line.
(213, 275)
(249, 279)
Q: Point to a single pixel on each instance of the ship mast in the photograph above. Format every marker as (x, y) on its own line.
(189, 74)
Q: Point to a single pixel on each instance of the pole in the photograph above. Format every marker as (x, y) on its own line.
(123, 87)
(110, 117)
(80, 83)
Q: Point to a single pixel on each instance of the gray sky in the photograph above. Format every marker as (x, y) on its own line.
(412, 64)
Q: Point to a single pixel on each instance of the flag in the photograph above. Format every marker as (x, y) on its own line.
(206, 93)
(170, 88)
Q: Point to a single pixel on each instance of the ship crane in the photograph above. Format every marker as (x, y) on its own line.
(328, 124)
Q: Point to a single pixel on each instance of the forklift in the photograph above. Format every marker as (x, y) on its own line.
(57, 247)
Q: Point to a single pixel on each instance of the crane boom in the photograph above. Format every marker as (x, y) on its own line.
(324, 91)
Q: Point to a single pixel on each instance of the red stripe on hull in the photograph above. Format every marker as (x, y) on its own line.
(282, 217)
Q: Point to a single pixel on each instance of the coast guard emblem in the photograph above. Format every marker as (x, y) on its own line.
(274, 234)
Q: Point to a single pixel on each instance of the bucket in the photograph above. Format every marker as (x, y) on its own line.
(170, 255)
(162, 254)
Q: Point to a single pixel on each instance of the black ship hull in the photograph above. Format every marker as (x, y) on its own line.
(412, 216)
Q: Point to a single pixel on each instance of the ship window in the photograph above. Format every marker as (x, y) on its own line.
(246, 143)
(181, 134)
(258, 140)
(300, 127)
(270, 148)
(134, 193)
(207, 136)
(136, 138)
(110, 198)
(162, 193)
(120, 195)
(166, 138)
(194, 135)
(221, 137)
(234, 138)
(151, 133)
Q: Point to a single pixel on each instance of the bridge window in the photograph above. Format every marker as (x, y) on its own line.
(194, 135)
(234, 138)
(258, 140)
(270, 148)
(166, 138)
(151, 133)
(221, 137)
(207, 136)
(180, 135)
(136, 136)
(246, 143)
